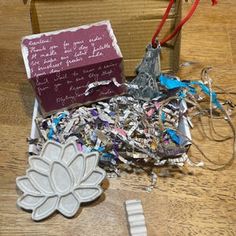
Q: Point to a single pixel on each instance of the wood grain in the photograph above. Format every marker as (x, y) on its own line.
(203, 203)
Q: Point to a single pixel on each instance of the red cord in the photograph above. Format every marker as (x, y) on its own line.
(162, 23)
(179, 26)
(183, 21)
(214, 2)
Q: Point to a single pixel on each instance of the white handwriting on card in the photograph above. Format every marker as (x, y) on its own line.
(56, 87)
(40, 41)
(60, 76)
(66, 99)
(107, 92)
(107, 72)
(50, 66)
(97, 38)
(41, 82)
(63, 100)
(86, 71)
(75, 73)
(94, 76)
(34, 55)
(41, 89)
(69, 62)
(110, 65)
(49, 61)
(79, 79)
(51, 58)
(34, 63)
(54, 71)
(97, 51)
(64, 58)
(35, 50)
(74, 88)
(66, 45)
(51, 52)
(77, 44)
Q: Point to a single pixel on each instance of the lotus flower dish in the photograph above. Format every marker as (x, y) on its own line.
(60, 179)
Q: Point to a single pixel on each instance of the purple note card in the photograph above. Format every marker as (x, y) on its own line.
(74, 66)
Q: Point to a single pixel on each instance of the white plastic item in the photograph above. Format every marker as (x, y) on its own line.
(136, 218)
(60, 178)
(34, 134)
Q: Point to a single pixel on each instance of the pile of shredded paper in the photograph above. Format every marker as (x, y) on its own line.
(150, 125)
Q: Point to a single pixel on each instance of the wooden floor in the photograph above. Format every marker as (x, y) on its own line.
(200, 204)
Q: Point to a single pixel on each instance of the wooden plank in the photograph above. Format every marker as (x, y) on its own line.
(133, 23)
(201, 204)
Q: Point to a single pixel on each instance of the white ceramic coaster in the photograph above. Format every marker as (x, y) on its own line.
(136, 218)
(60, 178)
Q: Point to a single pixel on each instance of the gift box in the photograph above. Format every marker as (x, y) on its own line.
(74, 66)
(133, 22)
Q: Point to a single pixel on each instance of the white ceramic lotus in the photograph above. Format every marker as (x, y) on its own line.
(60, 179)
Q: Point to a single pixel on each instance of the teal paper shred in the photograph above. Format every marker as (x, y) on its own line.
(192, 90)
(174, 137)
(108, 155)
(181, 94)
(100, 149)
(163, 116)
(55, 121)
(206, 90)
(171, 83)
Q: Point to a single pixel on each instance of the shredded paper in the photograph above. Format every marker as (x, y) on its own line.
(150, 125)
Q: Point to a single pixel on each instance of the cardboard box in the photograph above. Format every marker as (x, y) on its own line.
(74, 66)
(133, 22)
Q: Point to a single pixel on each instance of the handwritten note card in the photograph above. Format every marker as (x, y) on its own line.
(74, 66)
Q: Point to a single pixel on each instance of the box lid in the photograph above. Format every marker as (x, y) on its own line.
(53, 52)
